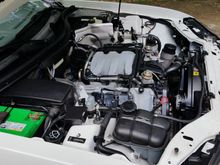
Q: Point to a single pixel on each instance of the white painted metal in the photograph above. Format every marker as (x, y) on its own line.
(20, 150)
(86, 132)
(15, 150)
(150, 11)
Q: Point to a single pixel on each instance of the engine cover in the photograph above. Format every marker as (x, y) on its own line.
(141, 128)
(112, 63)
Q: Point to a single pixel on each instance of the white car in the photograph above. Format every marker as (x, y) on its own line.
(107, 83)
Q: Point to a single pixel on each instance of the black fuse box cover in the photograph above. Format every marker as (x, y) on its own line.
(37, 92)
(141, 128)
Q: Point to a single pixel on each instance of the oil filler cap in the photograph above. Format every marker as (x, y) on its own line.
(169, 49)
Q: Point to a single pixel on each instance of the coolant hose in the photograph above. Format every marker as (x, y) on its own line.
(100, 138)
(173, 67)
(91, 34)
(104, 124)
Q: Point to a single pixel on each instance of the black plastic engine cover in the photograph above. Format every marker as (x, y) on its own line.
(141, 128)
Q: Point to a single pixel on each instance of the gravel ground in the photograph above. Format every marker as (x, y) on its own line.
(207, 11)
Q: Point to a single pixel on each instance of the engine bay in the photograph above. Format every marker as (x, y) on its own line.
(91, 80)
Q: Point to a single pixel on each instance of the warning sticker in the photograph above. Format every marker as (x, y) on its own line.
(13, 126)
(195, 72)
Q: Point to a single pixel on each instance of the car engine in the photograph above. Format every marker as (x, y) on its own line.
(118, 86)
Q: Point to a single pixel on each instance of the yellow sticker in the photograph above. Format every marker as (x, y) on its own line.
(195, 73)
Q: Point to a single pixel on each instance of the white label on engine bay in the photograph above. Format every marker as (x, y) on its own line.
(207, 147)
(13, 126)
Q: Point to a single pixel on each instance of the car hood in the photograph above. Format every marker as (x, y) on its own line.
(151, 11)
